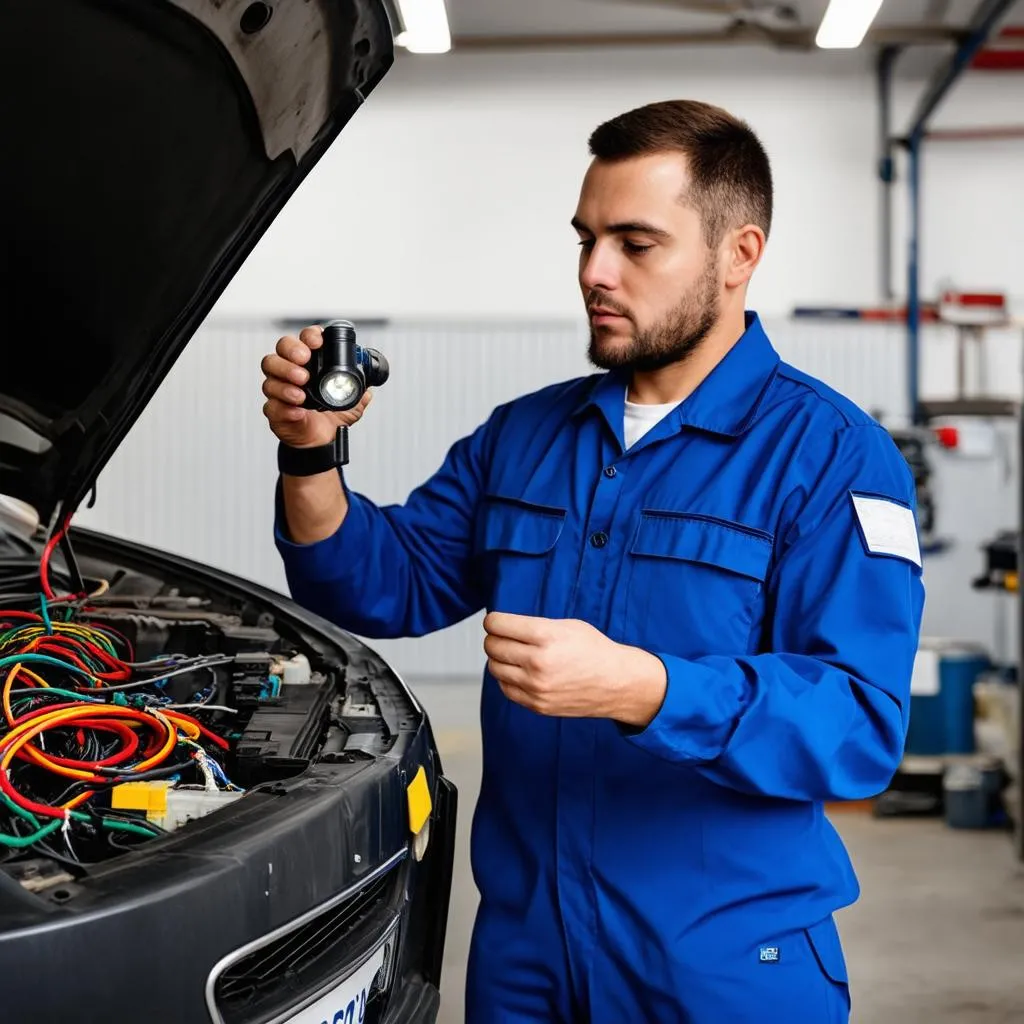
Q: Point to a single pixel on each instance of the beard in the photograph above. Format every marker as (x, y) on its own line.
(671, 340)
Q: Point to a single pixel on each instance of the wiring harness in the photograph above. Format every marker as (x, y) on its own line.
(80, 718)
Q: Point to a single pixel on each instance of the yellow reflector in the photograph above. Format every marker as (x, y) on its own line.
(420, 805)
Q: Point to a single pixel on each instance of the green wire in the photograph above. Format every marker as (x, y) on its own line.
(20, 811)
(15, 659)
(70, 693)
(46, 614)
(20, 842)
(125, 826)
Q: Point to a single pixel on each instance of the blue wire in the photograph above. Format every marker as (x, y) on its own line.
(219, 773)
(46, 614)
(43, 659)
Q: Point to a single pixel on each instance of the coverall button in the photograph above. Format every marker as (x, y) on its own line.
(610, 471)
(599, 539)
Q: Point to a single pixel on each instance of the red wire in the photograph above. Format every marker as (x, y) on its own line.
(129, 735)
(26, 803)
(44, 563)
(59, 812)
(75, 660)
(213, 737)
(114, 634)
(30, 616)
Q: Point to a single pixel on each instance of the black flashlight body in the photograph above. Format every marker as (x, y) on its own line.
(340, 371)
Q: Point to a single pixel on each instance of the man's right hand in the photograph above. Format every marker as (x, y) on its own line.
(285, 376)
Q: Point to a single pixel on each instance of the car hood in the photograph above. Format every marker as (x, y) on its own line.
(147, 146)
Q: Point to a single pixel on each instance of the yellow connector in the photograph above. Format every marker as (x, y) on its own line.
(150, 797)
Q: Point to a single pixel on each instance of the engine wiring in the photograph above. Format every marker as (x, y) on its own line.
(82, 717)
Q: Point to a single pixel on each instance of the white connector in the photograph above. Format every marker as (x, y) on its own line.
(184, 805)
(297, 671)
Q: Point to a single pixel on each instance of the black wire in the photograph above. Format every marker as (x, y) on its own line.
(119, 775)
(22, 828)
(136, 684)
(158, 678)
(38, 690)
(21, 598)
(72, 791)
(138, 818)
(63, 858)
(72, 563)
(125, 842)
(14, 540)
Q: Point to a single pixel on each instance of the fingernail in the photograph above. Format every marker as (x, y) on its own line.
(300, 376)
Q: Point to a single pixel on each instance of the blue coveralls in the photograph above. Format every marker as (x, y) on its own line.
(685, 872)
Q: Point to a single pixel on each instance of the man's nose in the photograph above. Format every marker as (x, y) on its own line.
(598, 269)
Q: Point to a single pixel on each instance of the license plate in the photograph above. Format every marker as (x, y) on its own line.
(346, 1002)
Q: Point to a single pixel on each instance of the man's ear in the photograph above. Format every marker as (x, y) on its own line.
(742, 251)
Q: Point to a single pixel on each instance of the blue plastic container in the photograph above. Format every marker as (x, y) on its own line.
(942, 698)
(971, 794)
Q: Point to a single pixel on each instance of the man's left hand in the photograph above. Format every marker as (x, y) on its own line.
(567, 668)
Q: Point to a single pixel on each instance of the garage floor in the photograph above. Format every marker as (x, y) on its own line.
(936, 937)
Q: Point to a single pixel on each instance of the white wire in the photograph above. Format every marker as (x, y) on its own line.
(208, 707)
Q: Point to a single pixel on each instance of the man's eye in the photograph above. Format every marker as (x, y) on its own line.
(586, 243)
(635, 249)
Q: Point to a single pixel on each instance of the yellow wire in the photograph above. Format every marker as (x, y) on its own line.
(190, 729)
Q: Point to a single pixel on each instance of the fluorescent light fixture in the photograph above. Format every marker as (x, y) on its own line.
(426, 26)
(845, 23)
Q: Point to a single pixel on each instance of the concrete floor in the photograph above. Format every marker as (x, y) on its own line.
(936, 938)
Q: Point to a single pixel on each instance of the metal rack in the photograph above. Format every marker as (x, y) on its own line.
(979, 29)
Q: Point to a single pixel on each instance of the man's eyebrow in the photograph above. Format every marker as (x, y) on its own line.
(637, 227)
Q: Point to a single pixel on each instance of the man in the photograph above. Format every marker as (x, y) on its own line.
(703, 587)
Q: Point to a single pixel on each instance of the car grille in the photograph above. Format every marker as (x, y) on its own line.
(288, 968)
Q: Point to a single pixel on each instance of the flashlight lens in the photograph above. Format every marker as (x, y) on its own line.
(339, 388)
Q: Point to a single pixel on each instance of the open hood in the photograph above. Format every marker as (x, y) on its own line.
(147, 146)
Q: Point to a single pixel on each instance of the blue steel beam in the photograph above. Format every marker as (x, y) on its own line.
(914, 279)
(978, 30)
(976, 33)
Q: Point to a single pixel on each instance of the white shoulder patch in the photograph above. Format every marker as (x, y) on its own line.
(888, 527)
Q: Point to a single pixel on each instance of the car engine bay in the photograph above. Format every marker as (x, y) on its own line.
(131, 706)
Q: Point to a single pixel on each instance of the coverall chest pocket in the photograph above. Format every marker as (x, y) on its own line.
(515, 542)
(695, 584)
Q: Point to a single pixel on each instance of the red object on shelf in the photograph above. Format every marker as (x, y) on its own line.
(973, 309)
(1004, 53)
(996, 299)
(948, 437)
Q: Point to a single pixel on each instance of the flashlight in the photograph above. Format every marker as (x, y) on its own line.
(340, 371)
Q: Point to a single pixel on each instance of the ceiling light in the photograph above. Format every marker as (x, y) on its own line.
(426, 26)
(845, 23)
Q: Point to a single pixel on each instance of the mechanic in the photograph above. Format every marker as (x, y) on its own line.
(702, 580)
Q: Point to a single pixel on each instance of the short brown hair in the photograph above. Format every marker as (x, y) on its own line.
(730, 175)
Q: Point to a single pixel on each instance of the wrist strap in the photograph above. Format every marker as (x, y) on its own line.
(310, 461)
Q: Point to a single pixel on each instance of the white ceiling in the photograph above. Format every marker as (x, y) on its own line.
(617, 17)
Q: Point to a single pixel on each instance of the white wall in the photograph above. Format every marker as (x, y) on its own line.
(449, 194)
(196, 474)
(447, 202)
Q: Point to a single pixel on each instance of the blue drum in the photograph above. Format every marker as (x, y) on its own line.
(942, 697)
